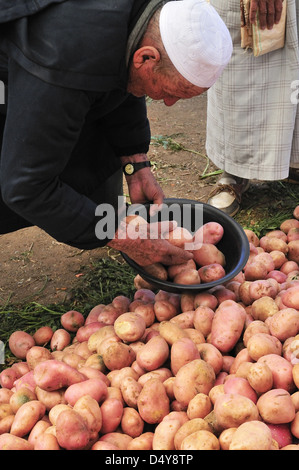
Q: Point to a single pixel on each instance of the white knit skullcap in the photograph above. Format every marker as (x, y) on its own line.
(196, 40)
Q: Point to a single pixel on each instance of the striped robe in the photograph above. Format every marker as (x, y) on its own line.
(253, 110)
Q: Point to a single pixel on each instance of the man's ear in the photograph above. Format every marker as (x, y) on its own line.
(145, 55)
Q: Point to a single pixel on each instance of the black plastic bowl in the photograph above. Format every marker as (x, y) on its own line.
(234, 243)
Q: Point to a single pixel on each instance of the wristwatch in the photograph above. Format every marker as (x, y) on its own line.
(131, 168)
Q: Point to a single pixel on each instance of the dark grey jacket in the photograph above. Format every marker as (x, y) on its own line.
(68, 115)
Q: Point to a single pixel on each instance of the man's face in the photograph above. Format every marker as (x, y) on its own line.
(162, 87)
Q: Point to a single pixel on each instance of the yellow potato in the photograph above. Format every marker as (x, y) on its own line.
(276, 407)
(129, 326)
(200, 440)
(195, 377)
(232, 410)
(26, 417)
(253, 435)
(199, 406)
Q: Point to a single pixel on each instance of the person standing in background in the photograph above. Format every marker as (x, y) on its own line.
(253, 112)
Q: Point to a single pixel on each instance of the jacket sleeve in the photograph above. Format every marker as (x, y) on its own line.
(127, 127)
(43, 124)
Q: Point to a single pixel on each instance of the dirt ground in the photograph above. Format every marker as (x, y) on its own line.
(34, 266)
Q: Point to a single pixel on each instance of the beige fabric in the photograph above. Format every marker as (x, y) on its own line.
(253, 111)
(258, 40)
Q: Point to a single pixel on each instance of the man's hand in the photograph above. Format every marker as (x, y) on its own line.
(143, 186)
(147, 245)
(269, 12)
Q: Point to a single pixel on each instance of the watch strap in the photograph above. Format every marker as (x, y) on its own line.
(136, 166)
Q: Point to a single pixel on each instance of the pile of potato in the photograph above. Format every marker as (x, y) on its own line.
(216, 370)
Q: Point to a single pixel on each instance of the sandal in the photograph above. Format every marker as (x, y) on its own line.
(228, 193)
(293, 176)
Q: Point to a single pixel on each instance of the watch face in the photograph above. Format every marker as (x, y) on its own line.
(129, 169)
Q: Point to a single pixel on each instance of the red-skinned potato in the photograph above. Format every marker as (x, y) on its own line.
(146, 295)
(27, 380)
(281, 433)
(153, 402)
(96, 388)
(43, 335)
(165, 310)
(240, 386)
(72, 320)
(293, 248)
(60, 340)
(94, 313)
(227, 326)
(71, 430)
(8, 377)
(281, 370)
(157, 270)
(182, 351)
(112, 411)
(208, 254)
(84, 332)
(147, 312)
(180, 237)
(19, 343)
(175, 269)
(153, 354)
(118, 355)
(287, 224)
(188, 276)
(210, 354)
(290, 298)
(187, 301)
(211, 272)
(53, 375)
(252, 237)
(210, 232)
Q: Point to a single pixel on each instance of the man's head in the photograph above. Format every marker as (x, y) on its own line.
(182, 53)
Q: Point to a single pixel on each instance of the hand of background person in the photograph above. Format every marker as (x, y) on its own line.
(269, 12)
